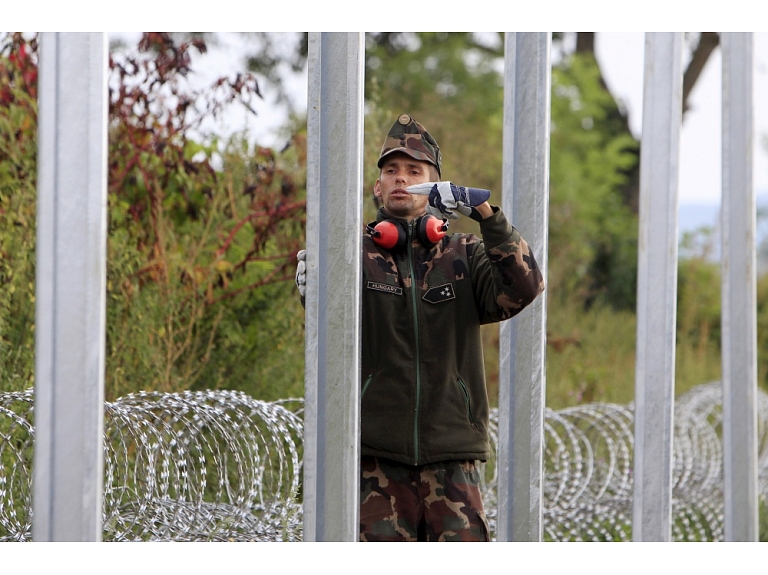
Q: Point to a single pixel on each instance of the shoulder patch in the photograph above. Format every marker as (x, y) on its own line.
(439, 294)
(377, 286)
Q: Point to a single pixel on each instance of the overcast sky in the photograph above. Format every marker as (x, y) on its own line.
(621, 56)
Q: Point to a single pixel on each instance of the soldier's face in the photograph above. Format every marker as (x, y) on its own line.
(397, 173)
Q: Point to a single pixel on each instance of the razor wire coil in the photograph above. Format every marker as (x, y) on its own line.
(222, 466)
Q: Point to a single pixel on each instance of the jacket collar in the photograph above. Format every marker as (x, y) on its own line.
(383, 214)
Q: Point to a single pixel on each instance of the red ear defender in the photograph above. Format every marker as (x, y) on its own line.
(390, 235)
(387, 234)
(432, 230)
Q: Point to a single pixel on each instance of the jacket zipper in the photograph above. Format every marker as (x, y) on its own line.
(465, 393)
(416, 335)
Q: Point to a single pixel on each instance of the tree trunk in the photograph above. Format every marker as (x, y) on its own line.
(708, 41)
(585, 42)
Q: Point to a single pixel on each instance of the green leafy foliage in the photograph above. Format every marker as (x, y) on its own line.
(199, 259)
(18, 171)
(196, 254)
(593, 232)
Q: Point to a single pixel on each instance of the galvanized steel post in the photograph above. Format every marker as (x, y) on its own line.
(70, 287)
(739, 303)
(657, 287)
(333, 301)
(525, 199)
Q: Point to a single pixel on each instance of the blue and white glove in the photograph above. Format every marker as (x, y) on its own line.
(446, 198)
(301, 272)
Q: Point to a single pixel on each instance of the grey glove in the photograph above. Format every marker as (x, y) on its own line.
(301, 272)
(446, 198)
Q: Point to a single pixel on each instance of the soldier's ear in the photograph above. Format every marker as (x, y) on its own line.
(377, 189)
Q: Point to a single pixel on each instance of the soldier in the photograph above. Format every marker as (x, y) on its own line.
(424, 405)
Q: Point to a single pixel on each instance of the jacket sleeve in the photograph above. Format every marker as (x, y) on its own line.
(505, 275)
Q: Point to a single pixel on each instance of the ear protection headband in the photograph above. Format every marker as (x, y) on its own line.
(391, 235)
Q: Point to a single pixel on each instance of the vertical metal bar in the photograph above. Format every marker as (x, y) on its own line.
(70, 287)
(739, 303)
(333, 299)
(525, 198)
(657, 288)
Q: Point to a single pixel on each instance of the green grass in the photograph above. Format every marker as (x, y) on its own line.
(591, 356)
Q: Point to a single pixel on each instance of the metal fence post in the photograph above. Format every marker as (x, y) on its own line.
(739, 300)
(525, 199)
(657, 287)
(333, 299)
(70, 287)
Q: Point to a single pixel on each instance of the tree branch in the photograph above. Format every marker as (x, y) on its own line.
(708, 41)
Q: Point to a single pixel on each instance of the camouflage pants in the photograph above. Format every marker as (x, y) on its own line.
(436, 502)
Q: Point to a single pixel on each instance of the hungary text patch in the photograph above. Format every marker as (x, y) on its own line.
(396, 290)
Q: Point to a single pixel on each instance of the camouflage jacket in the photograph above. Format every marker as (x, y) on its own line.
(423, 396)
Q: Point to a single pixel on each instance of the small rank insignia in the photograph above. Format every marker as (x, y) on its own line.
(439, 293)
(385, 288)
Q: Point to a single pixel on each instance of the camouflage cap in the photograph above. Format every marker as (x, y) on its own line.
(410, 137)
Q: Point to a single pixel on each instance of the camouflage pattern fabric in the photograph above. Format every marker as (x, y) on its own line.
(410, 137)
(443, 263)
(434, 502)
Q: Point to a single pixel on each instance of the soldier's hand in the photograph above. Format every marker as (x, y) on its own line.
(301, 272)
(446, 198)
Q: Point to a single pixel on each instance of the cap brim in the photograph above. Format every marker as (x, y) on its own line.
(408, 152)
